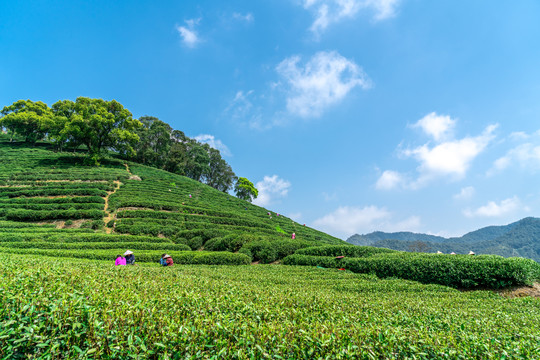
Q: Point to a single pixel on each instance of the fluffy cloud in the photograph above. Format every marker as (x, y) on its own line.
(270, 188)
(327, 12)
(389, 180)
(188, 33)
(437, 126)
(214, 143)
(323, 81)
(450, 158)
(443, 156)
(465, 193)
(348, 220)
(492, 209)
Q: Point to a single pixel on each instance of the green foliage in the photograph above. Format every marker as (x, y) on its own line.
(245, 189)
(79, 309)
(460, 271)
(267, 251)
(29, 119)
(100, 124)
(38, 215)
(343, 250)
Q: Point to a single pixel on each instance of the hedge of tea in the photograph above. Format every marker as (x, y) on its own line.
(37, 215)
(460, 271)
(343, 250)
(179, 257)
(95, 245)
(267, 251)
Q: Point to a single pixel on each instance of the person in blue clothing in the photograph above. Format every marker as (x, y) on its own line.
(130, 258)
(163, 261)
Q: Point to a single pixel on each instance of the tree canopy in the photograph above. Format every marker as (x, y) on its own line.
(245, 190)
(101, 125)
(29, 119)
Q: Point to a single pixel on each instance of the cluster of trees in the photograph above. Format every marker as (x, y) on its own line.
(102, 126)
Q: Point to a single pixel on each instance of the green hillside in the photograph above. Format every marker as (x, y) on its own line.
(52, 204)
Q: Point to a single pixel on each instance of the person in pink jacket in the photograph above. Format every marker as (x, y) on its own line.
(120, 260)
(293, 236)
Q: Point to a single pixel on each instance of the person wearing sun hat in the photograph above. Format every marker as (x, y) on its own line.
(130, 258)
(472, 253)
(168, 260)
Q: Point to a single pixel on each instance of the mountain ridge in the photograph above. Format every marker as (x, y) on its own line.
(520, 238)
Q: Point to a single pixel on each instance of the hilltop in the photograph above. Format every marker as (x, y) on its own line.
(52, 203)
(521, 238)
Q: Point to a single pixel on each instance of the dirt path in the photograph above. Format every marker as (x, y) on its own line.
(127, 169)
(109, 215)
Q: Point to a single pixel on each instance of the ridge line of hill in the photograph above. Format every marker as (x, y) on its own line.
(520, 238)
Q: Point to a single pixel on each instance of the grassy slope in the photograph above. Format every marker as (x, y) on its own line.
(40, 186)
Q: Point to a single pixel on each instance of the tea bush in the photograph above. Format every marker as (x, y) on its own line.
(460, 271)
(343, 250)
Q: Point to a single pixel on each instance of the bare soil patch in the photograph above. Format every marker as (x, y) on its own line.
(75, 224)
(521, 291)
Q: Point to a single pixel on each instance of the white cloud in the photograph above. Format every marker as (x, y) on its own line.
(384, 9)
(348, 220)
(270, 188)
(214, 143)
(492, 209)
(241, 17)
(324, 81)
(444, 156)
(389, 180)
(241, 105)
(328, 12)
(451, 158)
(188, 33)
(525, 155)
(437, 126)
(465, 193)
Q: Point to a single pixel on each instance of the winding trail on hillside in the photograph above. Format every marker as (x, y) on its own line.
(109, 215)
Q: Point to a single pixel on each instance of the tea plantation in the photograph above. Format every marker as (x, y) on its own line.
(62, 223)
(58, 308)
(52, 204)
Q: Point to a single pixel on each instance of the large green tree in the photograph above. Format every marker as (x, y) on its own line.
(220, 174)
(198, 160)
(154, 141)
(32, 120)
(245, 190)
(101, 125)
(64, 112)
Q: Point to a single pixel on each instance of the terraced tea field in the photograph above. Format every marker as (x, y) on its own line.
(80, 309)
(53, 204)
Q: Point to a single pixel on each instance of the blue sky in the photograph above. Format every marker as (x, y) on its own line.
(349, 115)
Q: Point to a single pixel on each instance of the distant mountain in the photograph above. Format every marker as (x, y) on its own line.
(521, 238)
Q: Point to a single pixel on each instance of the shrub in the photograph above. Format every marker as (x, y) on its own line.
(37, 215)
(231, 242)
(343, 250)
(459, 271)
(268, 251)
